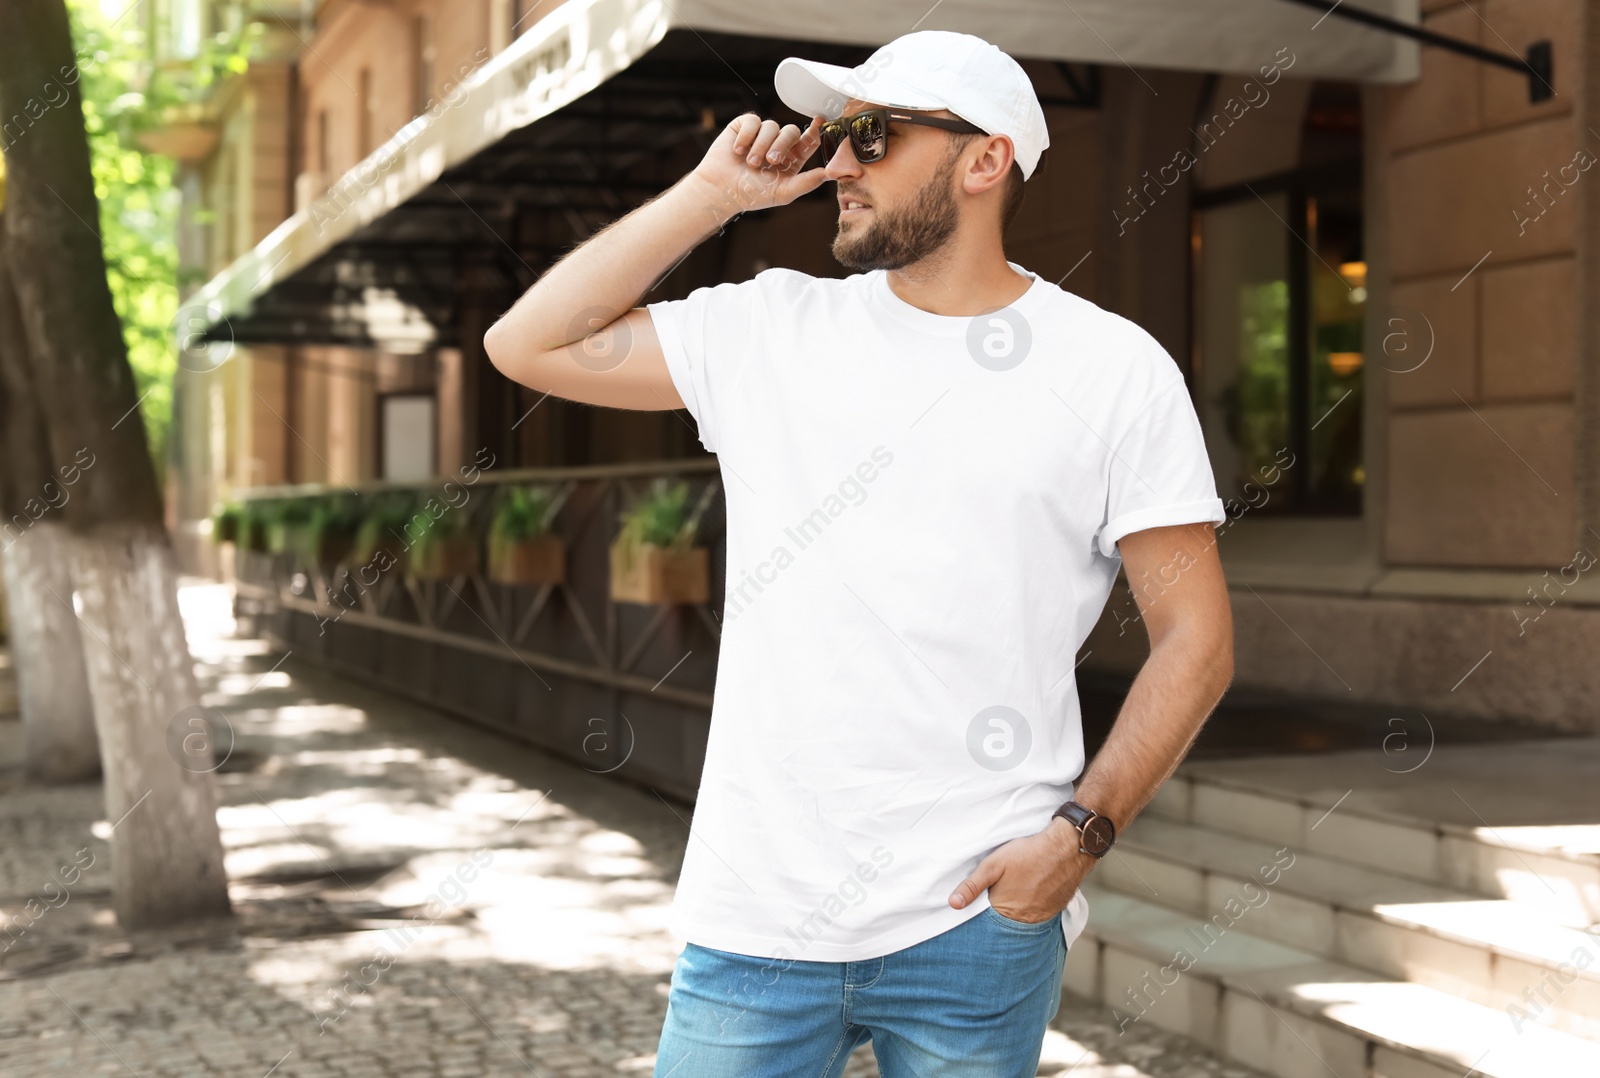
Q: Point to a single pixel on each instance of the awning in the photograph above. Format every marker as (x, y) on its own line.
(1208, 35)
(579, 112)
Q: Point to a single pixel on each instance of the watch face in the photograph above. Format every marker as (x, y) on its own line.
(1098, 835)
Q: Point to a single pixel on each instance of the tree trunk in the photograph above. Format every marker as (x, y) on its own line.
(166, 850)
(166, 856)
(58, 735)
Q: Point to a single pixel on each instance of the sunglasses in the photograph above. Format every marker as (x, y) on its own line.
(868, 132)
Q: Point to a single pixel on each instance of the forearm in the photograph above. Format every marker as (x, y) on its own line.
(1173, 694)
(1176, 689)
(607, 274)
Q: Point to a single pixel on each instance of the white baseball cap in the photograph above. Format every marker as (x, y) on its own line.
(926, 70)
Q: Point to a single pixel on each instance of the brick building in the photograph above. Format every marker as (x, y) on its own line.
(1366, 256)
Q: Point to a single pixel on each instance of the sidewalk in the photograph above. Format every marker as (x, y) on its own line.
(414, 896)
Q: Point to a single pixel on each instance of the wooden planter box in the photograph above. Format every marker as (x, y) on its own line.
(333, 548)
(255, 536)
(361, 556)
(287, 537)
(443, 559)
(659, 575)
(528, 561)
(398, 562)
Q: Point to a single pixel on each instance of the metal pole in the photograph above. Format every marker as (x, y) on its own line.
(1537, 65)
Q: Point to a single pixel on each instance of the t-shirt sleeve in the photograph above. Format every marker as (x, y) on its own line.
(706, 340)
(1160, 473)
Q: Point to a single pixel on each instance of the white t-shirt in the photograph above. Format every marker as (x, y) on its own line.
(922, 517)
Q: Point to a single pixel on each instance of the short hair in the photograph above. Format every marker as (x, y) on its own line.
(1011, 194)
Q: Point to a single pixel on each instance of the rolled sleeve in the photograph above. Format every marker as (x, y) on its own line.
(1160, 473)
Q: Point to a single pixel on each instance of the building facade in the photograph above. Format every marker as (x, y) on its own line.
(1377, 282)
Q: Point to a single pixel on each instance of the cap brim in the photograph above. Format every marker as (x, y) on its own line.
(817, 89)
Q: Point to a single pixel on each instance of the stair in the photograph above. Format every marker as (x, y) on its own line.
(1293, 1014)
(1499, 862)
(1367, 944)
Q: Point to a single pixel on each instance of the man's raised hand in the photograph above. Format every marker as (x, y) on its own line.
(754, 164)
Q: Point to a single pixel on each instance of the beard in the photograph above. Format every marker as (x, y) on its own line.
(904, 235)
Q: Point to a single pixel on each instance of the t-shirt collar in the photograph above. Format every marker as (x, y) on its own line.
(944, 325)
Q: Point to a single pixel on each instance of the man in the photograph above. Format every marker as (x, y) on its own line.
(930, 467)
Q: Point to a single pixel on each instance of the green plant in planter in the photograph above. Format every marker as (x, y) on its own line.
(269, 524)
(253, 519)
(225, 521)
(287, 529)
(332, 529)
(523, 513)
(383, 527)
(654, 558)
(441, 546)
(523, 546)
(660, 518)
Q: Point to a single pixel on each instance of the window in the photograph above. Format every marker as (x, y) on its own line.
(1280, 294)
(501, 16)
(324, 166)
(406, 436)
(185, 22)
(364, 109)
(521, 16)
(422, 59)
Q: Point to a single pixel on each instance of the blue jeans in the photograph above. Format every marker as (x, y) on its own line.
(975, 1000)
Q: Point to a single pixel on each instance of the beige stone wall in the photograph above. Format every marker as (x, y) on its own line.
(351, 430)
(357, 47)
(1435, 657)
(266, 402)
(270, 189)
(387, 42)
(460, 41)
(361, 71)
(1457, 604)
(234, 438)
(1480, 446)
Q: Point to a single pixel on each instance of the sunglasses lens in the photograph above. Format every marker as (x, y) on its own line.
(868, 133)
(832, 135)
(868, 136)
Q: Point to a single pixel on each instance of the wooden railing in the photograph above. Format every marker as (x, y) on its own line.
(621, 687)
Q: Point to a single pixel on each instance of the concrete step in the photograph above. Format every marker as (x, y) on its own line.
(1291, 802)
(1495, 952)
(1292, 1013)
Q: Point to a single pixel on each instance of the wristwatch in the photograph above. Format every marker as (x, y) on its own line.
(1096, 833)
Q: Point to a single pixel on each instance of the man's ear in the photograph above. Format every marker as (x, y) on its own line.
(990, 167)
